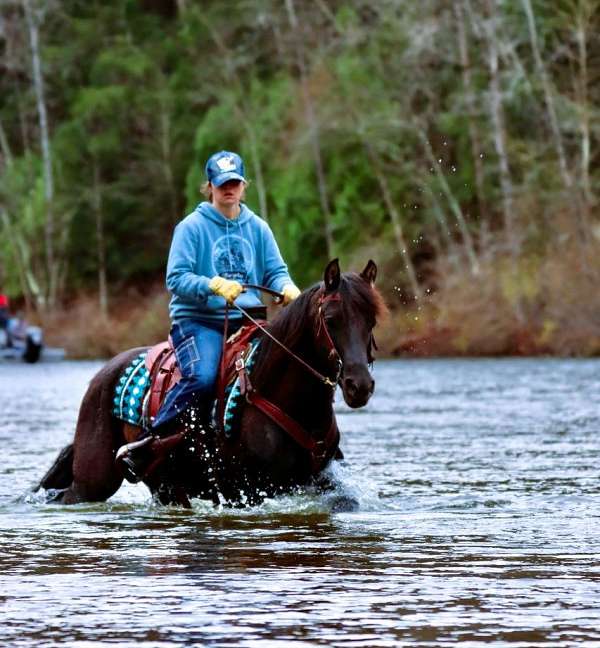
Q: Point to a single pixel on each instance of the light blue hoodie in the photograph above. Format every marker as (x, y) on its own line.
(206, 244)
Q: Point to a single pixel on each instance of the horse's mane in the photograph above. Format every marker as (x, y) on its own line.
(289, 325)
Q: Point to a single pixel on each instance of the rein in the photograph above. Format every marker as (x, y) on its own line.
(321, 326)
(318, 449)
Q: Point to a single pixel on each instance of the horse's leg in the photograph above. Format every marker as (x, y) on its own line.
(337, 500)
(97, 436)
(168, 493)
(95, 476)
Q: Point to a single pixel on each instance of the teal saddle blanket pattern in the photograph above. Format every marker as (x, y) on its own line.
(131, 394)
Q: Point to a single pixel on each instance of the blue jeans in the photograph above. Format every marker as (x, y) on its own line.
(198, 350)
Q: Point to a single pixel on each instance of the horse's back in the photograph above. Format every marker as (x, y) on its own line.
(110, 372)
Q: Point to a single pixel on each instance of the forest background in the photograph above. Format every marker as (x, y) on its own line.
(454, 142)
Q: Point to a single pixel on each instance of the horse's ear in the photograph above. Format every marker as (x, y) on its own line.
(332, 276)
(369, 274)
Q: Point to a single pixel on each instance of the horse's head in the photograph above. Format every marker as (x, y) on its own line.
(348, 308)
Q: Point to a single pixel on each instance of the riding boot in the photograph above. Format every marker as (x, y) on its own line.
(135, 458)
(143, 456)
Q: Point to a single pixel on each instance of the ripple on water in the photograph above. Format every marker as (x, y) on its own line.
(478, 523)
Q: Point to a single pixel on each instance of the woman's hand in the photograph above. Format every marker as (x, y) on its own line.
(226, 288)
(290, 292)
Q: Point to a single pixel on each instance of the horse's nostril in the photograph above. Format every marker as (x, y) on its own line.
(358, 389)
(350, 387)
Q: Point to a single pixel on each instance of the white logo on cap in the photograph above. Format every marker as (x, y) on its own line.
(226, 164)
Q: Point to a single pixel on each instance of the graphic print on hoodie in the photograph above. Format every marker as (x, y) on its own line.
(205, 244)
(232, 257)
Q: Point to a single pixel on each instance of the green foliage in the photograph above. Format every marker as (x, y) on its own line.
(140, 94)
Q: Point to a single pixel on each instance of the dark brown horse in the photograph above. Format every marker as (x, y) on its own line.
(329, 326)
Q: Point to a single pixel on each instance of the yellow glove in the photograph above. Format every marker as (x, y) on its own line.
(226, 288)
(290, 292)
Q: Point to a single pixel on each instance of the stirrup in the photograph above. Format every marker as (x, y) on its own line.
(134, 445)
(133, 470)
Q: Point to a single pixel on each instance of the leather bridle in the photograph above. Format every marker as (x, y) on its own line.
(318, 448)
(322, 330)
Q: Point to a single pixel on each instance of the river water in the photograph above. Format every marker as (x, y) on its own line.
(478, 483)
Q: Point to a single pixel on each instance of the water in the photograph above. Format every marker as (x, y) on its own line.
(479, 523)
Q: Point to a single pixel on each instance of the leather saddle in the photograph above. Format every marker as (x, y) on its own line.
(161, 363)
(164, 373)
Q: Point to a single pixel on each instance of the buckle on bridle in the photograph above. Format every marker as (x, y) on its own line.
(239, 364)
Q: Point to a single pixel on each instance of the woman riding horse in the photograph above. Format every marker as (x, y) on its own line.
(215, 249)
(322, 339)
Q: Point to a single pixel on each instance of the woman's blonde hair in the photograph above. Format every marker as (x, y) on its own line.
(206, 190)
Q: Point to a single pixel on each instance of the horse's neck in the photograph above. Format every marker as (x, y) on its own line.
(293, 388)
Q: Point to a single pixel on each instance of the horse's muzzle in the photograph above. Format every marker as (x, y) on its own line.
(357, 390)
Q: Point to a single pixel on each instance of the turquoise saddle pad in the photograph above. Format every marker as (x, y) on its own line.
(131, 394)
(130, 398)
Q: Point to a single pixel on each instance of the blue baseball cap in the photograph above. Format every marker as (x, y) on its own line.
(224, 166)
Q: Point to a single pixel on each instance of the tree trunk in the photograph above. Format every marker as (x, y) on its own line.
(100, 242)
(497, 117)
(581, 28)
(5, 148)
(259, 180)
(313, 128)
(454, 206)
(548, 98)
(476, 148)
(444, 228)
(580, 203)
(403, 249)
(165, 147)
(46, 151)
